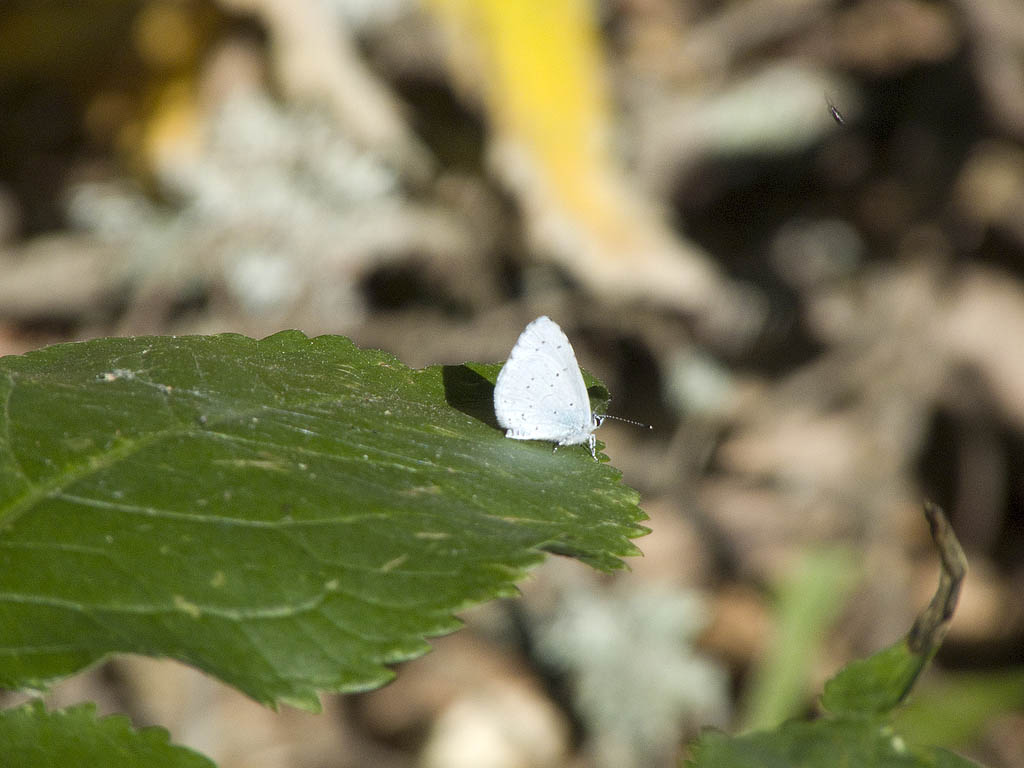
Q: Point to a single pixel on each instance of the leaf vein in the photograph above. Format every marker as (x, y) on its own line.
(194, 609)
(168, 514)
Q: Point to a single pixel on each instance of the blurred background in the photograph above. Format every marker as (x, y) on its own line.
(789, 234)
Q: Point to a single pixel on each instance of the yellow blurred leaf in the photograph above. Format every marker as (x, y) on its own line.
(539, 66)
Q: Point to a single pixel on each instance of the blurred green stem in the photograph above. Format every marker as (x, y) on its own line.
(808, 602)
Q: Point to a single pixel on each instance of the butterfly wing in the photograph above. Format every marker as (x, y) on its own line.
(540, 393)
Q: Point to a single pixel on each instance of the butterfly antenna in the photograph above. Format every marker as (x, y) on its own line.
(602, 416)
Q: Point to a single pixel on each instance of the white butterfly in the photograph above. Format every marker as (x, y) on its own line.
(540, 393)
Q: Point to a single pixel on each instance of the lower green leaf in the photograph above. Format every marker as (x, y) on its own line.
(882, 681)
(861, 742)
(857, 730)
(32, 737)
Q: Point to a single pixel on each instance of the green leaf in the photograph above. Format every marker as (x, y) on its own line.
(31, 737)
(875, 684)
(861, 742)
(881, 681)
(290, 514)
(858, 733)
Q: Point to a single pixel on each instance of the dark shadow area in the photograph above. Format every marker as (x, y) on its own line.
(468, 391)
